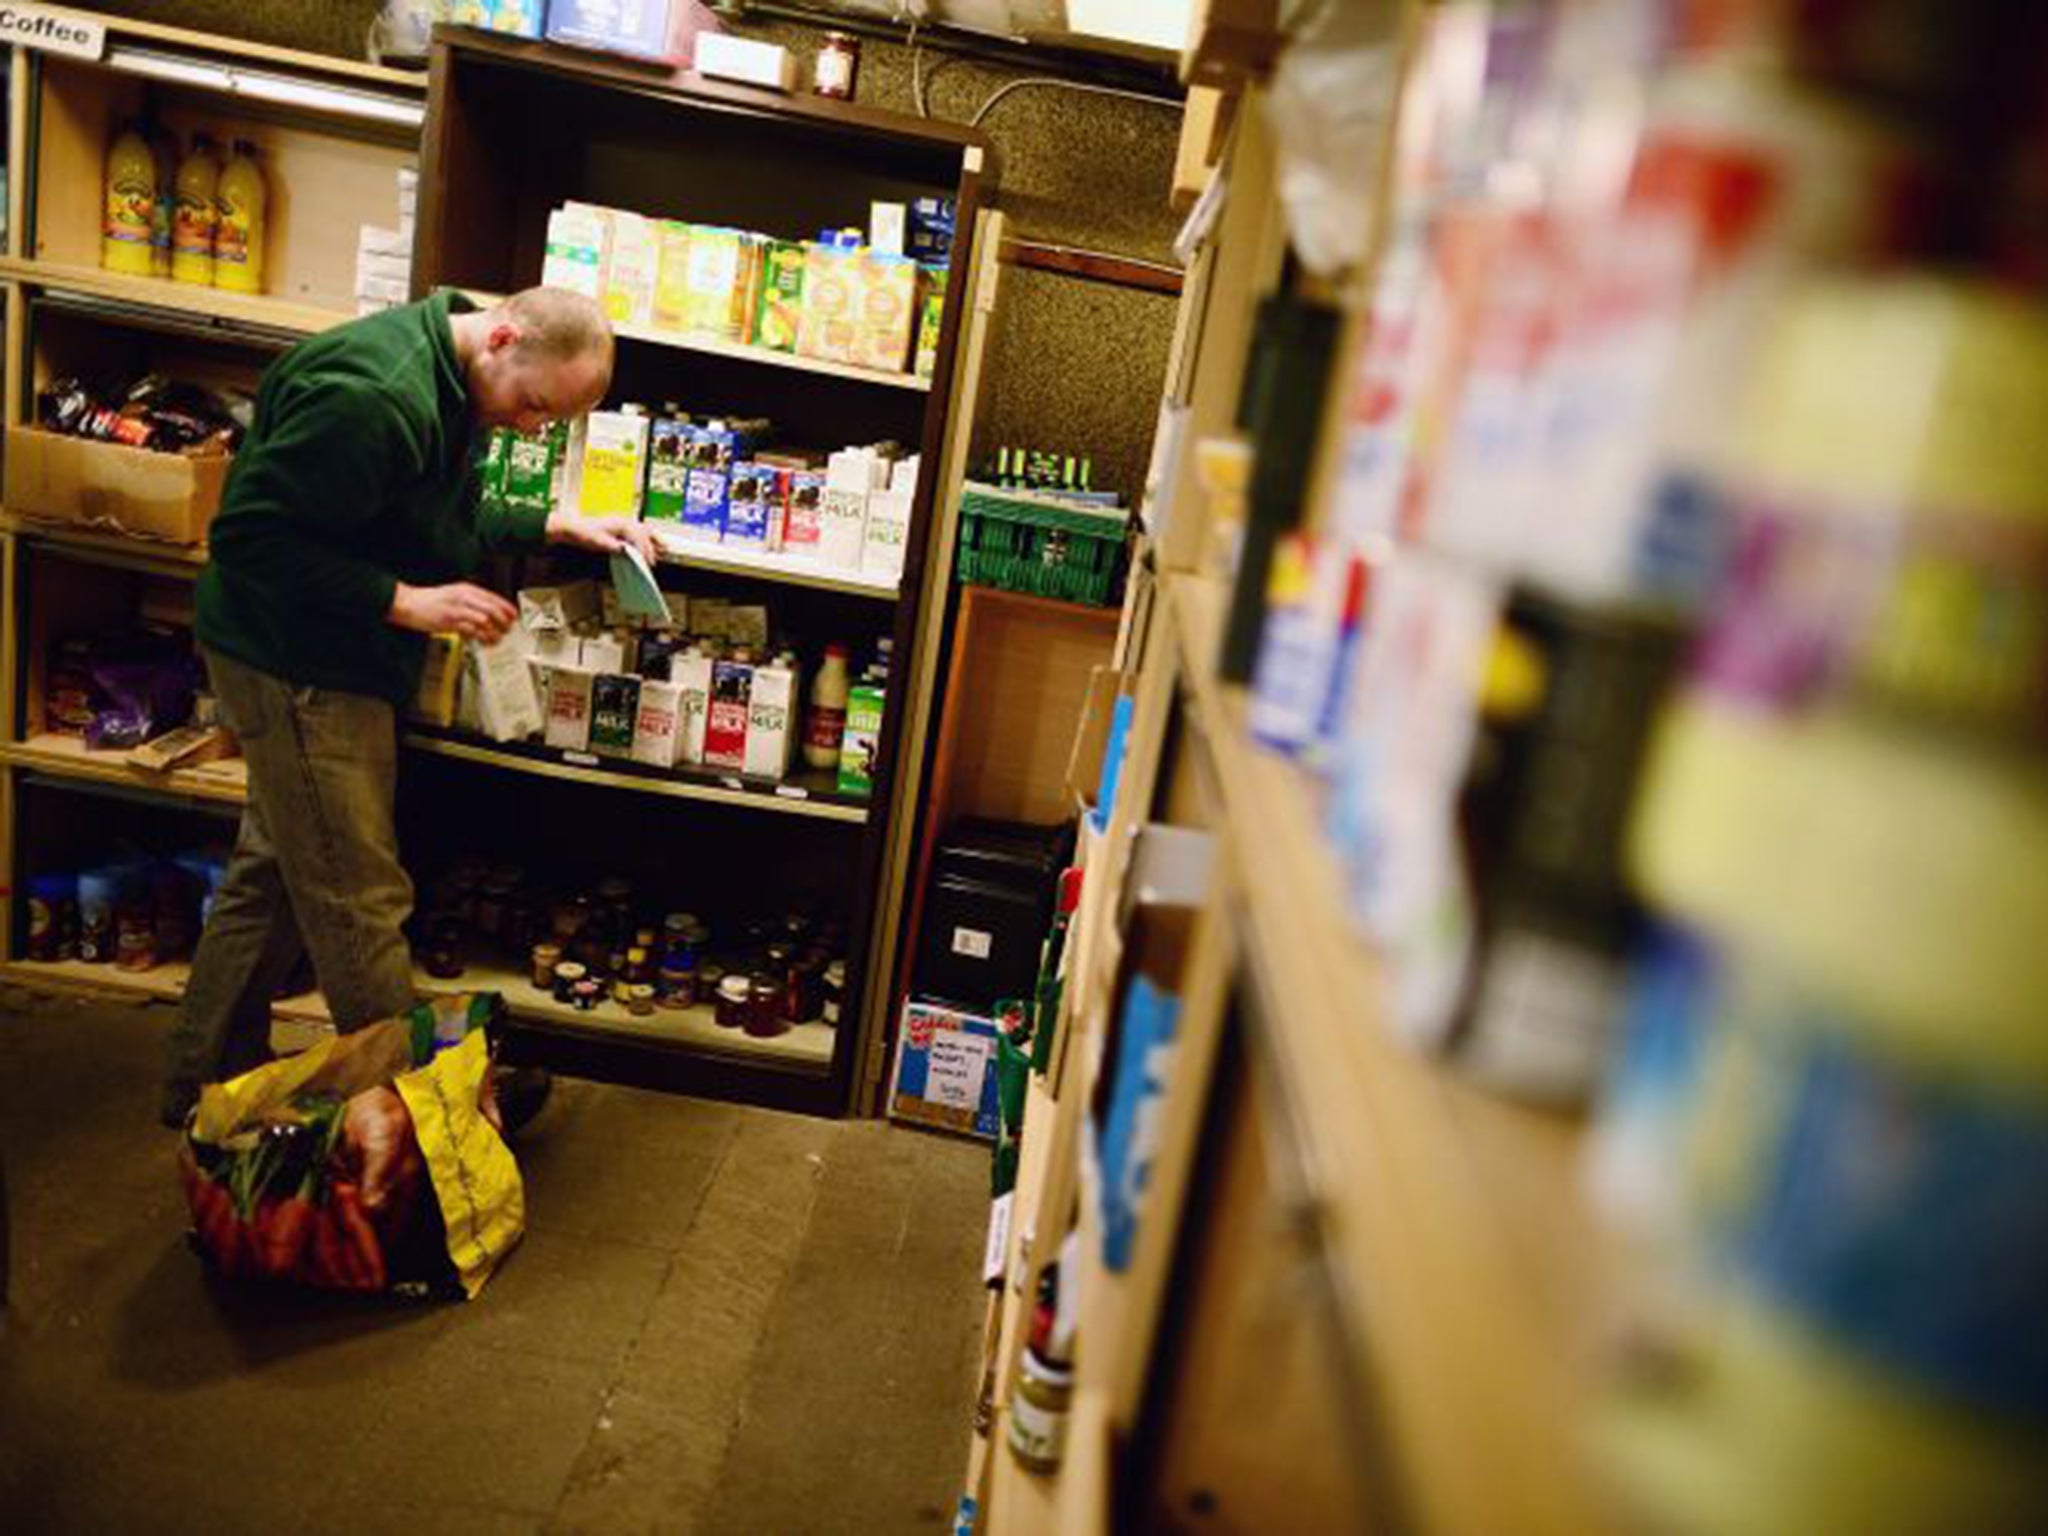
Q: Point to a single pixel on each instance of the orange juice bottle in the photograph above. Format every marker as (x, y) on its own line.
(238, 239)
(130, 202)
(193, 224)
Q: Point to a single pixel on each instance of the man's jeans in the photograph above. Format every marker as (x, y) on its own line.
(315, 869)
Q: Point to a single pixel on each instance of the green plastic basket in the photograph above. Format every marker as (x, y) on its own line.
(1042, 545)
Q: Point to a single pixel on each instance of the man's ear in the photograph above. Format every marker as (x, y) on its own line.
(503, 335)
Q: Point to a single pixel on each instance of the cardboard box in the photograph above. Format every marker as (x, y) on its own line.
(614, 713)
(803, 517)
(660, 31)
(169, 496)
(635, 267)
(725, 727)
(945, 1072)
(579, 251)
(657, 728)
(862, 744)
(750, 490)
(614, 464)
(828, 319)
(888, 312)
(747, 60)
(568, 707)
(1091, 735)
(779, 313)
(691, 672)
(507, 707)
(672, 276)
(558, 609)
(668, 470)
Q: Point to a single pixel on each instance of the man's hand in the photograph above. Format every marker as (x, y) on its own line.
(602, 535)
(474, 612)
(378, 1146)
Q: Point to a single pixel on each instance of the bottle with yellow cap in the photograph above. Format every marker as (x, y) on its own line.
(240, 233)
(197, 214)
(130, 202)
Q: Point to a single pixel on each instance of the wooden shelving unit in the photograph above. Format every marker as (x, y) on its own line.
(712, 346)
(786, 569)
(1356, 1278)
(214, 304)
(68, 757)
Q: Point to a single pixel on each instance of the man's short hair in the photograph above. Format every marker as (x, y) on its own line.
(558, 325)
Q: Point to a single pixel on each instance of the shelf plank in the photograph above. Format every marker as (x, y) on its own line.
(676, 550)
(1473, 1264)
(1020, 1502)
(806, 1045)
(802, 795)
(768, 357)
(68, 757)
(712, 346)
(162, 293)
(180, 560)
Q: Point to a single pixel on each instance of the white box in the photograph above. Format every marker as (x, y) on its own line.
(691, 673)
(886, 223)
(604, 653)
(394, 266)
(658, 729)
(578, 250)
(722, 56)
(383, 242)
(568, 707)
(887, 535)
(842, 527)
(771, 721)
(384, 290)
(558, 609)
(507, 708)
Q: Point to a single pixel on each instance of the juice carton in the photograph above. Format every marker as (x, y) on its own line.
(779, 313)
(635, 266)
(725, 727)
(863, 739)
(672, 276)
(887, 312)
(532, 466)
(828, 318)
(614, 463)
(714, 283)
(931, 317)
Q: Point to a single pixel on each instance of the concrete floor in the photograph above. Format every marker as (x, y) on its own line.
(721, 1320)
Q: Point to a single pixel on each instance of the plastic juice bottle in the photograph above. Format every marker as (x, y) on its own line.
(825, 724)
(130, 202)
(163, 211)
(193, 224)
(239, 235)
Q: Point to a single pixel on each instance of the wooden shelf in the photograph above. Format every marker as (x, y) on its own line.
(808, 1045)
(106, 546)
(1454, 1218)
(217, 304)
(712, 346)
(162, 983)
(679, 551)
(767, 357)
(68, 757)
(805, 794)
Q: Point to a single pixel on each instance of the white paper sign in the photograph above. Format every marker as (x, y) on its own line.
(996, 1256)
(959, 1065)
(973, 943)
(52, 31)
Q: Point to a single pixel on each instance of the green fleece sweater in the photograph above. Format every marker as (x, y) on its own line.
(359, 473)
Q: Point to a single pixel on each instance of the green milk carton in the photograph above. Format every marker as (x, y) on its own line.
(862, 740)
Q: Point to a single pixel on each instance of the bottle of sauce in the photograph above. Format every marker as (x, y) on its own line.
(197, 214)
(238, 241)
(825, 721)
(130, 203)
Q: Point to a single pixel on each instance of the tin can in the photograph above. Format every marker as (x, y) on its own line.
(569, 974)
(545, 958)
(640, 999)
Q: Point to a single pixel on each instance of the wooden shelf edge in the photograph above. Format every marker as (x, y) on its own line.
(495, 756)
(82, 766)
(353, 70)
(678, 551)
(182, 560)
(252, 309)
(1459, 1215)
(768, 357)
